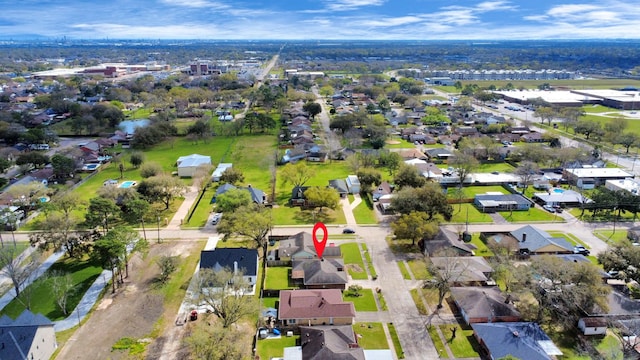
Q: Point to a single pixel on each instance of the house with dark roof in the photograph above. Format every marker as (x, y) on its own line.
(522, 340)
(464, 270)
(319, 274)
(435, 154)
(234, 259)
(314, 307)
(383, 189)
(490, 203)
(300, 247)
(484, 305)
(29, 336)
(330, 342)
(564, 198)
(529, 240)
(447, 241)
(297, 196)
(257, 196)
(340, 186)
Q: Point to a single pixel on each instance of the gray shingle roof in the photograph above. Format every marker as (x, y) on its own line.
(535, 239)
(225, 258)
(523, 340)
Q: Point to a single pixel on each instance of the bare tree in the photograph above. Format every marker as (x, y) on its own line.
(223, 292)
(61, 288)
(446, 270)
(527, 170)
(12, 266)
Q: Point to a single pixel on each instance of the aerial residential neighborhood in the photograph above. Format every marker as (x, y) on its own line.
(164, 201)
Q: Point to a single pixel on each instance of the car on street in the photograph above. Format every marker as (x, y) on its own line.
(348, 231)
(216, 218)
(579, 249)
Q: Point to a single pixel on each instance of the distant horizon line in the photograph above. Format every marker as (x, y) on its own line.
(68, 39)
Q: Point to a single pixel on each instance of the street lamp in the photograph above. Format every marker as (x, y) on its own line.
(158, 229)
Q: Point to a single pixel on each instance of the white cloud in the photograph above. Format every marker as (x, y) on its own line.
(389, 21)
(197, 4)
(343, 5)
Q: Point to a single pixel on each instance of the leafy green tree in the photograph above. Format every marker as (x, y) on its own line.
(296, 174)
(545, 114)
(101, 212)
(33, 158)
(148, 170)
(228, 302)
(134, 211)
(232, 176)
(322, 197)
(162, 188)
(368, 178)
(232, 199)
(312, 108)
(415, 226)
(60, 226)
(136, 159)
(627, 140)
(167, 265)
(63, 167)
(108, 251)
(4, 164)
(429, 199)
(408, 176)
(257, 229)
(588, 128)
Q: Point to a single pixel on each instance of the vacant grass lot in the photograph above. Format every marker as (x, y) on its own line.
(83, 274)
(278, 278)
(610, 236)
(467, 212)
(372, 336)
(353, 260)
(470, 192)
(364, 212)
(499, 167)
(274, 348)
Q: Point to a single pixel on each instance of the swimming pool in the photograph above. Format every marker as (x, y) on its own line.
(558, 190)
(127, 184)
(90, 167)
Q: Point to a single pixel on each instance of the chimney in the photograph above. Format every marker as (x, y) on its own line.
(235, 267)
(524, 237)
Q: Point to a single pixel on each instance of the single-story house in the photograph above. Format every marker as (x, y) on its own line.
(187, 165)
(561, 197)
(592, 325)
(484, 305)
(234, 259)
(297, 196)
(314, 307)
(383, 189)
(300, 247)
(447, 241)
(438, 154)
(257, 195)
(353, 184)
(29, 336)
(328, 273)
(522, 340)
(588, 178)
(529, 240)
(327, 342)
(490, 203)
(219, 170)
(464, 270)
(340, 186)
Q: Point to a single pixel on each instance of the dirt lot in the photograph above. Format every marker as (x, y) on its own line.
(132, 312)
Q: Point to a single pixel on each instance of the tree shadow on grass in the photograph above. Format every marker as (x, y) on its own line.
(309, 216)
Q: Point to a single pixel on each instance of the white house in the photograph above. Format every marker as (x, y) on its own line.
(592, 325)
(353, 184)
(30, 336)
(217, 173)
(187, 165)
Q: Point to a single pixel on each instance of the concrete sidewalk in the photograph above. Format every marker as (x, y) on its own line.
(85, 304)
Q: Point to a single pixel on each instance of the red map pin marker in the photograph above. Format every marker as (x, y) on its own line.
(320, 244)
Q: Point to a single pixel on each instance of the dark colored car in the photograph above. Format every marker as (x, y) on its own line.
(348, 231)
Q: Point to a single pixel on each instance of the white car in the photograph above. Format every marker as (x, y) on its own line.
(216, 218)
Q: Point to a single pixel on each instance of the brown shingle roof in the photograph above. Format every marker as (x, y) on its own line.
(304, 304)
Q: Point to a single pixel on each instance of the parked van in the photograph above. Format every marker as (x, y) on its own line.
(39, 146)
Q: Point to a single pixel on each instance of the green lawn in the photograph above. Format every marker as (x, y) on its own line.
(353, 260)
(364, 212)
(401, 143)
(499, 167)
(417, 299)
(83, 274)
(367, 257)
(610, 236)
(469, 192)
(464, 345)
(371, 336)
(396, 340)
(278, 277)
(270, 348)
(381, 301)
(418, 269)
(532, 215)
(404, 271)
(482, 248)
(460, 212)
(574, 240)
(364, 302)
(288, 215)
(437, 342)
(269, 302)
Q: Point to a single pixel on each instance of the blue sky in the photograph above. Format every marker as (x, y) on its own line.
(320, 19)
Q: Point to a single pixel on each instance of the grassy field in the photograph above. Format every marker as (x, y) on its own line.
(610, 236)
(269, 302)
(437, 342)
(469, 192)
(403, 270)
(417, 299)
(418, 268)
(481, 247)
(371, 336)
(499, 167)
(532, 215)
(460, 212)
(367, 257)
(83, 274)
(364, 302)
(353, 260)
